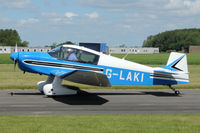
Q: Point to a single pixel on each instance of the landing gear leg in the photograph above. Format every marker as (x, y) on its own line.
(41, 84)
(55, 88)
(175, 91)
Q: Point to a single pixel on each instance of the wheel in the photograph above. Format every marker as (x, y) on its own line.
(177, 92)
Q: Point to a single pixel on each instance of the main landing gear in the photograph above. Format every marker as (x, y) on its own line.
(41, 84)
(52, 87)
(175, 91)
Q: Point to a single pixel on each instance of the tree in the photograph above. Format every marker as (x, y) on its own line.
(53, 45)
(174, 40)
(24, 44)
(66, 43)
(9, 37)
(122, 46)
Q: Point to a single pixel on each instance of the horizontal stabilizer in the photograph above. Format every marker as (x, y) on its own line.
(175, 72)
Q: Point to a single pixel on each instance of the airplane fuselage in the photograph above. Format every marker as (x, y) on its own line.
(123, 73)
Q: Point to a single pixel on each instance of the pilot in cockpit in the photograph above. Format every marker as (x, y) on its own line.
(71, 55)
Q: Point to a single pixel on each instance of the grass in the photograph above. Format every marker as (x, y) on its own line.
(10, 79)
(5, 59)
(156, 59)
(132, 123)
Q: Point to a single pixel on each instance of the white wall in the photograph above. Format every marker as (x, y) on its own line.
(5, 49)
(10, 49)
(133, 50)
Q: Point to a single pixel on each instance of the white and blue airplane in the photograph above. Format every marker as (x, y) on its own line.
(86, 66)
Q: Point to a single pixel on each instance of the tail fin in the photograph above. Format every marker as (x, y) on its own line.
(177, 62)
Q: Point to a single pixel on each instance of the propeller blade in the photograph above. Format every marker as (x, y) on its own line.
(16, 47)
(16, 58)
(15, 63)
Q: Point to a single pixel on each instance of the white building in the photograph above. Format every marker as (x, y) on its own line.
(5, 49)
(11, 49)
(133, 50)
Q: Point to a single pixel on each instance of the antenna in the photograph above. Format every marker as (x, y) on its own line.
(125, 56)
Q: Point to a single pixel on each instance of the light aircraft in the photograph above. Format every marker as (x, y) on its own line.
(86, 66)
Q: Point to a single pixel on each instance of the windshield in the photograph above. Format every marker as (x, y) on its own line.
(72, 54)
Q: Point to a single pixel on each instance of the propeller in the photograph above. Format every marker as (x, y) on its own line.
(16, 48)
(15, 63)
(15, 59)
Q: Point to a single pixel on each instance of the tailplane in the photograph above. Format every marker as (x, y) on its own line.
(175, 72)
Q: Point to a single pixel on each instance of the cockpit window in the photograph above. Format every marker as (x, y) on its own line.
(56, 52)
(72, 54)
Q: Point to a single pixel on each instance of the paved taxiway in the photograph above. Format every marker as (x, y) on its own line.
(31, 102)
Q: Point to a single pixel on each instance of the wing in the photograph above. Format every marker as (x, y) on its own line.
(60, 73)
(84, 77)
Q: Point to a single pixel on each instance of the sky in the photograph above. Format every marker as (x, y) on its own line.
(115, 22)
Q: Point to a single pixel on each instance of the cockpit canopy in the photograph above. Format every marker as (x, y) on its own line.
(74, 54)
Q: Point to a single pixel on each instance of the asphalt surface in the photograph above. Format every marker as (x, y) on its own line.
(31, 102)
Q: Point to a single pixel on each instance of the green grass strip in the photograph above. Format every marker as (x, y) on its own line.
(131, 123)
(5, 59)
